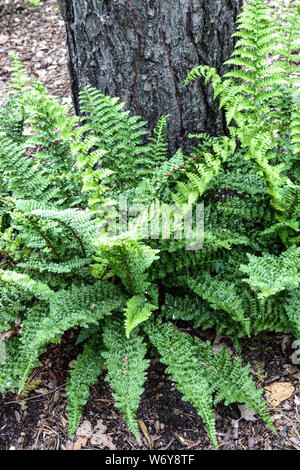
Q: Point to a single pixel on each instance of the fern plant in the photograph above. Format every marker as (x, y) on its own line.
(71, 259)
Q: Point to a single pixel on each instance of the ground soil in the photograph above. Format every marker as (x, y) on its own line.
(37, 35)
(39, 421)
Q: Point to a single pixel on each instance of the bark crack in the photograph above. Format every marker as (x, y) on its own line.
(137, 22)
(72, 64)
(188, 15)
(133, 87)
(177, 94)
(138, 28)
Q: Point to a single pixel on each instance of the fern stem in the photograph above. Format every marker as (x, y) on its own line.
(74, 234)
(41, 233)
(129, 277)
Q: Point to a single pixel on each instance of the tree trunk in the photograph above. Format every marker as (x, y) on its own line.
(142, 50)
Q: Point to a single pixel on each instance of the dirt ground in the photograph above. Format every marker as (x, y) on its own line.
(38, 36)
(39, 421)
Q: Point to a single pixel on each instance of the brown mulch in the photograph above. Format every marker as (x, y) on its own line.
(39, 421)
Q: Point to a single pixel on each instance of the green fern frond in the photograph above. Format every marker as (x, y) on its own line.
(177, 352)
(120, 135)
(138, 310)
(198, 374)
(86, 369)
(25, 284)
(158, 143)
(221, 295)
(269, 274)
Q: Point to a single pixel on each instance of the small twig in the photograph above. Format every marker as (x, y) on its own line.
(38, 435)
(34, 398)
(209, 365)
(168, 445)
(293, 444)
(132, 446)
(293, 425)
(104, 400)
(194, 444)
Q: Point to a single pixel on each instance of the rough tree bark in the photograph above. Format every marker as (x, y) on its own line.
(142, 50)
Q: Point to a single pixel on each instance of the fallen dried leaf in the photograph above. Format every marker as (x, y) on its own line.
(219, 343)
(101, 439)
(181, 439)
(81, 441)
(69, 445)
(251, 442)
(246, 414)
(276, 417)
(144, 430)
(100, 426)
(85, 429)
(284, 342)
(7, 335)
(41, 391)
(235, 423)
(64, 421)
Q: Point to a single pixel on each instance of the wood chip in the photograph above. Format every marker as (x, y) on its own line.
(80, 442)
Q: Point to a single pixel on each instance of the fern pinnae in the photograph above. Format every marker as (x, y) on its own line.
(65, 265)
(84, 373)
(126, 365)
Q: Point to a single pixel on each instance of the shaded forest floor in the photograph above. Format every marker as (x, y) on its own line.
(39, 421)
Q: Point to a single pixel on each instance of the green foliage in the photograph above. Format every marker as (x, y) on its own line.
(69, 258)
(138, 310)
(159, 143)
(221, 295)
(270, 274)
(119, 135)
(126, 370)
(32, 2)
(204, 378)
(249, 94)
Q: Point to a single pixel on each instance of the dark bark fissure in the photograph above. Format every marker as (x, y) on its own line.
(173, 75)
(142, 50)
(138, 28)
